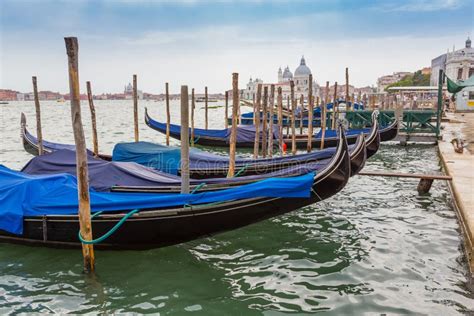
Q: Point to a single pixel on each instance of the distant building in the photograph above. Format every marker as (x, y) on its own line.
(426, 71)
(387, 80)
(128, 92)
(300, 79)
(458, 65)
(8, 95)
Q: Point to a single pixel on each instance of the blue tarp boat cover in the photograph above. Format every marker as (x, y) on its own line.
(167, 159)
(37, 195)
(245, 133)
(103, 175)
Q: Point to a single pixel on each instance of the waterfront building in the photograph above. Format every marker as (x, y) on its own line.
(387, 80)
(128, 92)
(8, 95)
(458, 64)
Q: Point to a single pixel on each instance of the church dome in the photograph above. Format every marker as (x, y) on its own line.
(468, 43)
(302, 69)
(287, 73)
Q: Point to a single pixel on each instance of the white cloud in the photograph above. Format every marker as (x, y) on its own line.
(421, 6)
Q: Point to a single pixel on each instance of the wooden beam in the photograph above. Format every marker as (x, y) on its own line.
(168, 117)
(72, 49)
(184, 140)
(233, 132)
(39, 133)
(135, 107)
(93, 119)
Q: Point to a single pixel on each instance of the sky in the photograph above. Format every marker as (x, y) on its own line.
(201, 43)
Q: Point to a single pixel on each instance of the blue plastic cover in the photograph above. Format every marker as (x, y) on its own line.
(37, 195)
(167, 159)
(245, 133)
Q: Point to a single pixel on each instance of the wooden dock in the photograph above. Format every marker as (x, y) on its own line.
(461, 167)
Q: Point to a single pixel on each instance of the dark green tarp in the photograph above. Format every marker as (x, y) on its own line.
(455, 87)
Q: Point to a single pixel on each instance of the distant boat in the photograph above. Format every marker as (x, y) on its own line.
(202, 99)
(3, 102)
(60, 100)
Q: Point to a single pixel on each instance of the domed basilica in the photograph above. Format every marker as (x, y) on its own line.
(300, 79)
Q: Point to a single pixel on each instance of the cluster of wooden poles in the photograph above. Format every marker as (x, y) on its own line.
(72, 49)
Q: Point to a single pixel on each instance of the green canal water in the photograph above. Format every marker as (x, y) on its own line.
(377, 247)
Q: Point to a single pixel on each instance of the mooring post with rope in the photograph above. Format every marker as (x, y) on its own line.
(72, 49)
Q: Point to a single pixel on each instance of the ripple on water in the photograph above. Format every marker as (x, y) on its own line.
(377, 247)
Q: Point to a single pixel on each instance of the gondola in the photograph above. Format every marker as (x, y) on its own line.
(246, 135)
(218, 166)
(164, 226)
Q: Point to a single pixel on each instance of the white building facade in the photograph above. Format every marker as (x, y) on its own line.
(457, 65)
(300, 79)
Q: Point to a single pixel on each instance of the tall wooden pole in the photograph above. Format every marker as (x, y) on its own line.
(264, 123)
(184, 140)
(301, 113)
(135, 107)
(226, 109)
(288, 107)
(323, 115)
(168, 118)
(72, 49)
(270, 129)
(347, 89)
(193, 107)
(206, 107)
(309, 144)
(254, 110)
(39, 133)
(233, 132)
(257, 121)
(280, 119)
(293, 110)
(334, 107)
(93, 119)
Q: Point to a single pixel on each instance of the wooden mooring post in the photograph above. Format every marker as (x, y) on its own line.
(193, 107)
(257, 121)
(301, 113)
(135, 108)
(72, 49)
(334, 107)
(293, 110)
(264, 122)
(184, 143)
(310, 114)
(426, 180)
(168, 118)
(233, 132)
(270, 128)
(226, 109)
(347, 89)
(90, 97)
(206, 109)
(323, 115)
(280, 120)
(39, 133)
